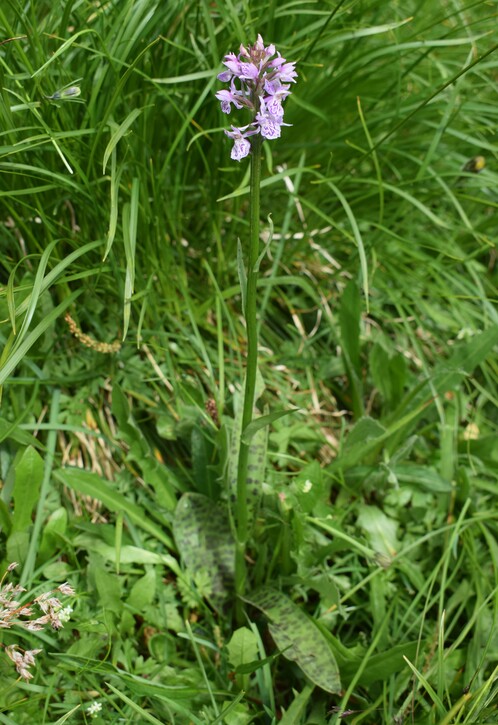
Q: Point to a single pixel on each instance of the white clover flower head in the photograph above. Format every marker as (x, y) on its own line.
(259, 82)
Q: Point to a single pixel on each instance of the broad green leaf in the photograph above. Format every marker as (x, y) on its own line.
(58, 571)
(205, 476)
(205, 542)
(13, 432)
(297, 635)
(242, 650)
(235, 713)
(389, 373)
(366, 429)
(90, 484)
(53, 533)
(405, 474)
(5, 518)
(28, 478)
(423, 477)
(379, 529)
(127, 554)
(349, 321)
(17, 546)
(108, 586)
(242, 647)
(143, 591)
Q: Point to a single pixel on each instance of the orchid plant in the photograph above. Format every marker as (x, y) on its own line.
(259, 81)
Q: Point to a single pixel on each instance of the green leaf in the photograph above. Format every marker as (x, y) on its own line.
(349, 321)
(366, 429)
(143, 591)
(242, 647)
(297, 634)
(5, 518)
(53, 533)
(381, 666)
(380, 530)
(28, 478)
(262, 422)
(90, 484)
(389, 373)
(17, 546)
(422, 477)
(205, 542)
(127, 554)
(117, 134)
(256, 460)
(294, 715)
(19, 353)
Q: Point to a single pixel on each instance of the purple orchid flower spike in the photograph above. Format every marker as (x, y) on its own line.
(259, 81)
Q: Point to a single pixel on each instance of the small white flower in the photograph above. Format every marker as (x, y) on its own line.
(307, 486)
(94, 709)
(65, 614)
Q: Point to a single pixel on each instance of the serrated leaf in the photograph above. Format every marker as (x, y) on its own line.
(205, 542)
(298, 636)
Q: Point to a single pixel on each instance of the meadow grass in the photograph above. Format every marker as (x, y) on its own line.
(371, 591)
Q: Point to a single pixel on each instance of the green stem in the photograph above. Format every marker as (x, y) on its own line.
(251, 364)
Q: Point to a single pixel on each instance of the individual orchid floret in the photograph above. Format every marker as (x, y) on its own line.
(259, 81)
(226, 98)
(241, 146)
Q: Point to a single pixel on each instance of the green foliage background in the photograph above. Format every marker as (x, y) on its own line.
(376, 534)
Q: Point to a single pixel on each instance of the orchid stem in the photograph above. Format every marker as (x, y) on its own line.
(251, 366)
